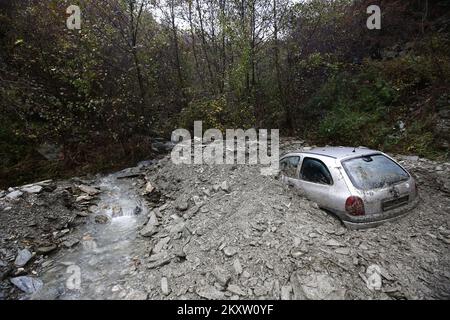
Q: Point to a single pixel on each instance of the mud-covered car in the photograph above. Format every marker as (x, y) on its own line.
(363, 187)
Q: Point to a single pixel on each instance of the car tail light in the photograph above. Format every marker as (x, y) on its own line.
(354, 206)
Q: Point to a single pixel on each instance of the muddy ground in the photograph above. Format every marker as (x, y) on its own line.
(218, 232)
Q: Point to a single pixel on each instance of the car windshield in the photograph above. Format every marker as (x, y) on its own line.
(374, 171)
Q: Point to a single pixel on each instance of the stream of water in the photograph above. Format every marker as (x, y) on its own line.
(95, 268)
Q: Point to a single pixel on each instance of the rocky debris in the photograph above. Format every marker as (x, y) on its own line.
(259, 240)
(319, 287)
(38, 219)
(151, 226)
(428, 173)
(23, 256)
(233, 288)
(182, 205)
(210, 293)
(289, 247)
(161, 244)
(222, 276)
(176, 228)
(27, 284)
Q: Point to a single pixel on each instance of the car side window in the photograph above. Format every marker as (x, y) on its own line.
(316, 171)
(288, 166)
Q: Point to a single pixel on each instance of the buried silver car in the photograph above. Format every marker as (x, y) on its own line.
(363, 187)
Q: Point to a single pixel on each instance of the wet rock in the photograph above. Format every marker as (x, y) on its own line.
(101, 218)
(210, 293)
(70, 242)
(82, 214)
(165, 286)
(89, 190)
(14, 195)
(83, 198)
(22, 258)
(32, 189)
(117, 211)
(151, 227)
(137, 211)
(27, 284)
(46, 249)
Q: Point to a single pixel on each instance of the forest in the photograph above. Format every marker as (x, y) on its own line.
(93, 99)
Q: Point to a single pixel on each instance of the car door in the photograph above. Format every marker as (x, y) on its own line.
(316, 181)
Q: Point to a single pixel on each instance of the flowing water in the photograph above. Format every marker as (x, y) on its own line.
(95, 268)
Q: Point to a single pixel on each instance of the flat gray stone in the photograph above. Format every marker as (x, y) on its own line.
(27, 284)
(22, 258)
(32, 189)
(14, 195)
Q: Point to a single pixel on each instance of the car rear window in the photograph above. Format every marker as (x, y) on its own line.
(374, 171)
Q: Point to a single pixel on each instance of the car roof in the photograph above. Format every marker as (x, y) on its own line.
(338, 152)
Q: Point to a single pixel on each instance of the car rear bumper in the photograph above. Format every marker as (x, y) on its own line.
(374, 220)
